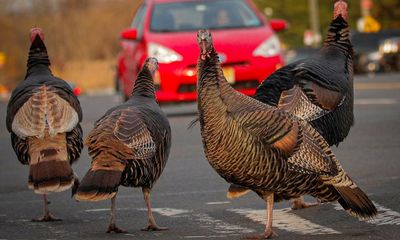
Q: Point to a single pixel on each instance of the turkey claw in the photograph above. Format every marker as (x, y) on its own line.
(152, 227)
(114, 228)
(265, 235)
(47, 218)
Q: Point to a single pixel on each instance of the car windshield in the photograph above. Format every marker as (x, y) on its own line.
(194, 15)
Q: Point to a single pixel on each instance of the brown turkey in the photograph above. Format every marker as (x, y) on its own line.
(129, 146)
(266, 149)
(43, 117)
(318, 89)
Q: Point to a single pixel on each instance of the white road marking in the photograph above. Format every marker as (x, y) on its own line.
(375, 101)
(104, 209)
(385, 216)
(217, 203)
(285, 220)
(168, 212)
(204, 221)
(219, 226)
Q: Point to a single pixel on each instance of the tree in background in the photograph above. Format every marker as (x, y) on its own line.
(297, 14)
(74, 29)
(88, 30)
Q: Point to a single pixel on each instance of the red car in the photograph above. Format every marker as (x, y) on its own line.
(166, 29)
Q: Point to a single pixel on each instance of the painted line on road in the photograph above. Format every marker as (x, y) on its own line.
(219, 226)
(168, 212)
(377, 85)
(204, 221)
(287, 221)
(105, 209)
(386, 216)
(217, 203)
(375, 101)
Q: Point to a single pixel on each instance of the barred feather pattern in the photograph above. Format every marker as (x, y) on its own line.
(74, 143)
(264, 148)
(129, 145)
(21, 148)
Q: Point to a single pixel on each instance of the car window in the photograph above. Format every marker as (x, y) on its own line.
(193, 15)
(138, 20)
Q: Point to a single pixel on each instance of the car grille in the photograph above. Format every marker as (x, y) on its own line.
(241, 85)
(186, 88)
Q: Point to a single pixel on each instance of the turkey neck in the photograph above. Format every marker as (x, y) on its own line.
(144, 85)
(338, 37)
(38, 60)
(212, 87)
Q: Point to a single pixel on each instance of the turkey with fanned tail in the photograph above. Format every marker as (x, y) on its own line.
(266, 149)
(43, 117)
(318, 89)
(129, 146)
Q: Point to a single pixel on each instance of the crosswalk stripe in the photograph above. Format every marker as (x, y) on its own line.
(217, 203)
(386, 216)
(168, 212)
(285, 220)
(204, 221)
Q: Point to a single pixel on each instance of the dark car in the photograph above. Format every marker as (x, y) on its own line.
(367, 57)
(390, 50)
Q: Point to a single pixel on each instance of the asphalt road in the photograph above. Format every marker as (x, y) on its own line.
(189, 198)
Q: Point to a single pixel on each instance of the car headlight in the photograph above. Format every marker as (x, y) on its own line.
(268, 48)
(163, 54)
(374, 56)
(389, 47)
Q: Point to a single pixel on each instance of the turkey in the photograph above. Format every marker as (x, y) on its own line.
(43, 117)
(318, 89)
(129, 146)
(266, 149)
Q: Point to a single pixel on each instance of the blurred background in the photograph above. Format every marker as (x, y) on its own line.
(82, 37)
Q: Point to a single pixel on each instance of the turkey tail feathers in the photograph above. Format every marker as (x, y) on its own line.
(50, 170)
(98, 185)
(50, 176)
(356, 202)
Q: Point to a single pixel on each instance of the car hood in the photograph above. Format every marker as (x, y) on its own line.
(236, 44)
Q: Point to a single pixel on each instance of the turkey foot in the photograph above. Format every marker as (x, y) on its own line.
(266, 235)
(154, 227)
(113, 228)
(47, 218)
(299, 203)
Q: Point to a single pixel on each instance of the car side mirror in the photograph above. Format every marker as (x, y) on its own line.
(129, 34)
(278, 24)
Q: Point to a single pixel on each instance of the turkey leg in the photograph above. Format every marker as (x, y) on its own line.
(268, 233)
(152, 225)
(47, 217)
(112, 227)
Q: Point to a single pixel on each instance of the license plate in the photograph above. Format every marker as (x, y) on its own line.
(229, 74)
